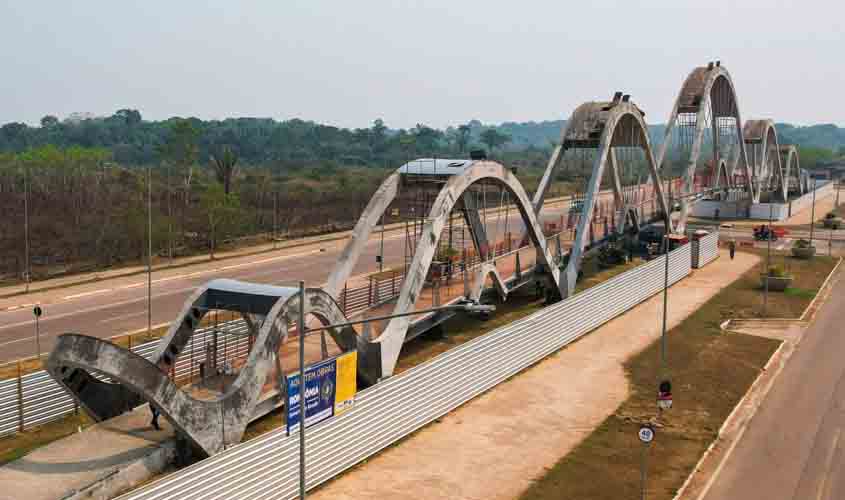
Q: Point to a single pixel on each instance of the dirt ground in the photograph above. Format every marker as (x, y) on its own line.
(494, 446)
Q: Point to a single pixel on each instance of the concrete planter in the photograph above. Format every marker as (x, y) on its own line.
(834, 223)
(803, 253)
(776, 284)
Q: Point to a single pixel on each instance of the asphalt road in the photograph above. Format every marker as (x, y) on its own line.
(107, 309)
(794, 447)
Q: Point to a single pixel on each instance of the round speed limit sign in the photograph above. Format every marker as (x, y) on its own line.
(646, 434)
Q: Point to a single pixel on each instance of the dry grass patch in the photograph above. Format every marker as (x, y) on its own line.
(710, 373)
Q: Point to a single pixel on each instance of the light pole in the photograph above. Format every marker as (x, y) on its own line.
(768, 262)
(28, 269)
(665, 298)
(301, 328)
(149, 251)
(813, 213)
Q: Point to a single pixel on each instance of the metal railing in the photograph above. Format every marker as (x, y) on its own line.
(268, 467)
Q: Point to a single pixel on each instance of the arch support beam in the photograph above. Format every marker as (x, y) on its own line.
(389, 344)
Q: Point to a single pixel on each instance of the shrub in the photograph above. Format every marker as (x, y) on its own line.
(801, 243)
(777, 272)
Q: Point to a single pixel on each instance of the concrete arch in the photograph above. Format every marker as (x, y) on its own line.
(208, 424)
(605, 125)
(706, 88)
(761, 137)
(389, 344)
(722, 171)
(488, 269)
(790, 160)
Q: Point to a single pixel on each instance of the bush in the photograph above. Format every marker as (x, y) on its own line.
(801, 243)
(777, 272)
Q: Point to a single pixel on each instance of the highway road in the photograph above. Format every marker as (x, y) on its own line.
(794, 447)
(108, 308)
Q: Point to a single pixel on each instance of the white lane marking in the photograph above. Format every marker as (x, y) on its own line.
(827, 465)
(123, 316)
(44, 319)
(85, 294)
(21, 340)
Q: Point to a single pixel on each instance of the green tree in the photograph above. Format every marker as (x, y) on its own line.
(492, 138)
(225, 163)
(49, 121)
(221, 209)
(463, 138)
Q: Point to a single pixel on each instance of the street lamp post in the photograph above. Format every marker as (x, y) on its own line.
(768, 262)
(27, 267)
(665, 299)
(301, 328)
(813, 213)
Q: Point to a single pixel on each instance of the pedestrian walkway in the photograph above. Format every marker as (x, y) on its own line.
(119, 448)
(494, 446)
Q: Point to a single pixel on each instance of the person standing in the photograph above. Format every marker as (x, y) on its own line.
(154, 421)
(732, 247)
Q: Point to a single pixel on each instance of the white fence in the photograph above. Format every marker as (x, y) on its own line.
(781, 211)
(268, 466)
(705, 250)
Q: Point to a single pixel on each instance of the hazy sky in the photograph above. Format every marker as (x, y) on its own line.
(434, 62)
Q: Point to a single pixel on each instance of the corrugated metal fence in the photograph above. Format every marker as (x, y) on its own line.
(268, 467)
(705, 250)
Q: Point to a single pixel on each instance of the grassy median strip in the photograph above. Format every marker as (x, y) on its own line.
(710, 373)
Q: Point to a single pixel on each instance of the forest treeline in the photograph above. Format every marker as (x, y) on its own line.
(78, 187)
(299, 143)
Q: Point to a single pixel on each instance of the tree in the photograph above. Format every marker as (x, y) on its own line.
(221, 209)
(492, 138)
(427, 138)
(181, 149)
(225, 166)
(463, 138)
(49, 121)
(130, 117)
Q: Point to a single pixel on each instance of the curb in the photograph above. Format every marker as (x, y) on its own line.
(781, 354)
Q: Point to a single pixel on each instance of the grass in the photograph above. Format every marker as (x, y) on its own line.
(710, 373)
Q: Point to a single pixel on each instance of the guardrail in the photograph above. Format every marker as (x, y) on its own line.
(268, 467)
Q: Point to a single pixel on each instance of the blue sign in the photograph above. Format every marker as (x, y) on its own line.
(323, 397)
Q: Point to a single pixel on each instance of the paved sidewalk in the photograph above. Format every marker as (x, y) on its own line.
(494, 446)
(75, 462)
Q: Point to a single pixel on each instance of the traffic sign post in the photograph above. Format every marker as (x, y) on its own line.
(646, 436)
(37, 312)
(664, 395)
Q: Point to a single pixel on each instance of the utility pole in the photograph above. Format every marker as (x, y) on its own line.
(27, 267)
(301, 328)
(665, 298)
(813, 213)
(275, 213)
(149, 251)
(768, 262)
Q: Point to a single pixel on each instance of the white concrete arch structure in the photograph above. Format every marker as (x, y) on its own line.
(763, 155)
(708, 94)
(389, 344)
(604, 126)
(790, 161)
(209, 424)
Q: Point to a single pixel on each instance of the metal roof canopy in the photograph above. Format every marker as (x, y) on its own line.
(436, 167)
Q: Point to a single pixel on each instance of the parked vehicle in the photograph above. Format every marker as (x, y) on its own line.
(765, 232)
